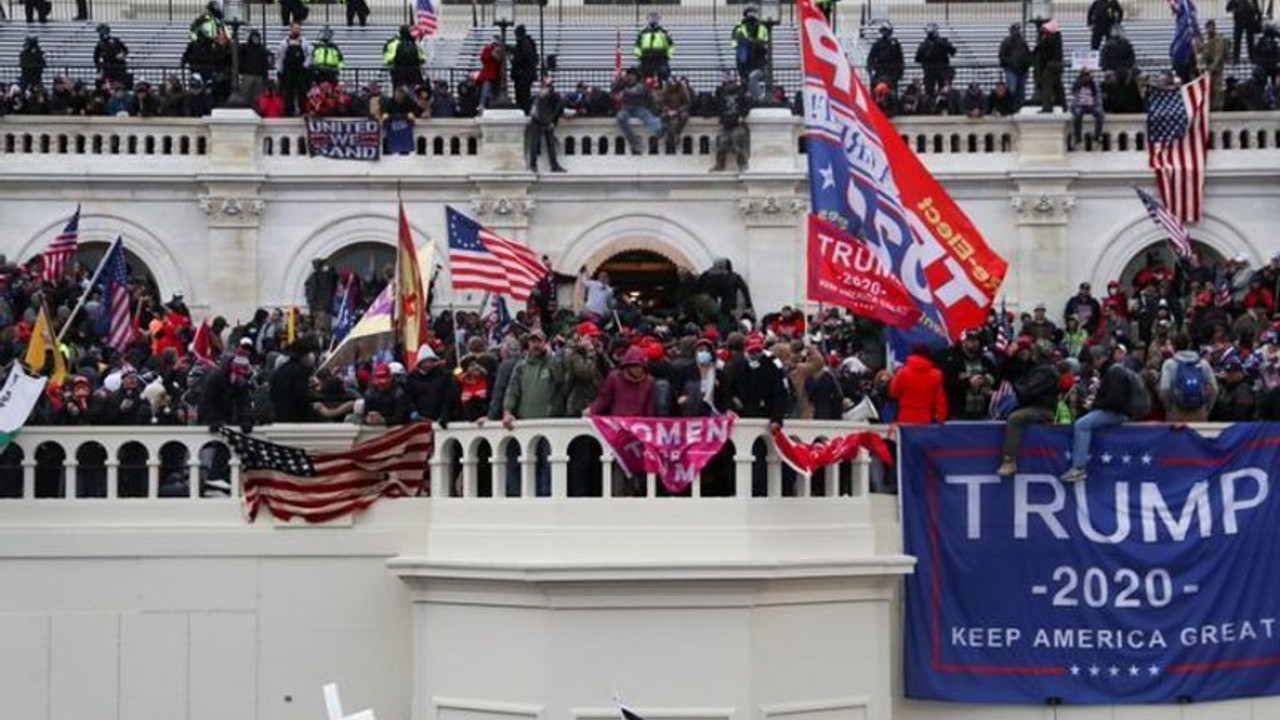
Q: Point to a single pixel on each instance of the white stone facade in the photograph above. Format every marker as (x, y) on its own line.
(227, 210)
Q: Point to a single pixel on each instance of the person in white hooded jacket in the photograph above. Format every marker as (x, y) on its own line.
(1183, 400)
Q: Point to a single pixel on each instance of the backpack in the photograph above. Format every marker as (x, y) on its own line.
(1188, 386)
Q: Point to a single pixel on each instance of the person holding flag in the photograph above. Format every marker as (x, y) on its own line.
(880, 198)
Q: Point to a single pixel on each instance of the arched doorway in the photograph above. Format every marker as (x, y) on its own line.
(367, 260)
(90, 254)
(646, 279)
(1161, 253)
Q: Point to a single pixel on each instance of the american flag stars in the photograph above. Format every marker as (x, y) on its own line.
(1115, 671)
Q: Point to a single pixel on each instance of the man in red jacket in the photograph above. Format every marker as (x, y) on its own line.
(918, 388)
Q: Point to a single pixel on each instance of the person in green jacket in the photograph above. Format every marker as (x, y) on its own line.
(531, 394)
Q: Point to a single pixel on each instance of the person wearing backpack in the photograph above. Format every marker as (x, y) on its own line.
(294, 58)
(1188, 387)
(1121, 397)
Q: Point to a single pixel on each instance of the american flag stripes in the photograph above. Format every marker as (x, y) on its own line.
(322, 486)
(1178, 143)
(1178, 235)
(425, 21)
(62, 249)
(113, 281)
(481, 260)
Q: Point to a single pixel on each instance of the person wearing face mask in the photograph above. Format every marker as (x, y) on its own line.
(432, 390)
(703, 392)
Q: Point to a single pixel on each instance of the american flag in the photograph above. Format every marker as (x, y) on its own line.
(1001, 400)
(1177, 145)
(63, 248)
(113, 281)
(1178, 235)
(425, 20)
(345, 310)
(322, 486)
(481, 260)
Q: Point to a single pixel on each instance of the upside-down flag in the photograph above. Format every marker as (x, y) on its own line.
(1178, 145)
(410, 312)
(866, 181)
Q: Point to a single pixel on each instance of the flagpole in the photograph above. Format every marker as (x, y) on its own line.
(85, 295)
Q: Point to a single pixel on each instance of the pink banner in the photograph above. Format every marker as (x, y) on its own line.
(674, 449)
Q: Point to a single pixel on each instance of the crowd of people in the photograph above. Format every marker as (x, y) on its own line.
(1116, 85)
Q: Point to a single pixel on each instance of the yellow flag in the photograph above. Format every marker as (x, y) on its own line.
(291, 326)
(42, 341)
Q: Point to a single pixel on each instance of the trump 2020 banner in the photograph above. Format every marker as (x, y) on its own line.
(865, 180)
(844, 271)
(1156, 580)
(344, 138)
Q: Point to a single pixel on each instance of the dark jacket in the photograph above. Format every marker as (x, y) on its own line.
(290, 393)
(433, 395)
(757, 392)
(221, 402)
(524, 60)
(1015, 54)
(1039, 387)
(392, 404)
(1116, 390)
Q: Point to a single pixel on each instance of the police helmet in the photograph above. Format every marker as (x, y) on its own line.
(886, 29)
(104, 29)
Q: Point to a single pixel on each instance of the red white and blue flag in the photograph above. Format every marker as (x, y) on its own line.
(54, 259)
(425, 21)
(113, 282)
(1178, 145)
(1179, 238)
(480, 259)
(864, 180)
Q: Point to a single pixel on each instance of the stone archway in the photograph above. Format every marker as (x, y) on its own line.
(1140, 233)
(168, 275)
(347, 232)
(636, 233)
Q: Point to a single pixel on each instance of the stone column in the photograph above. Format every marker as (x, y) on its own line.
(1041, 267)
(234, 215)
(233, 211)
(502, 142)
(774, 141)
(774, 217)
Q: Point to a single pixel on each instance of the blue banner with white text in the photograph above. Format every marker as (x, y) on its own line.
(1157, 580)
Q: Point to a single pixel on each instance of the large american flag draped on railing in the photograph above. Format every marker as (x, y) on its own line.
(479, 259)
(1178, 145)
(1179, 238)
(425, 20)
(61, 249)
(113, 282)
(322, 486)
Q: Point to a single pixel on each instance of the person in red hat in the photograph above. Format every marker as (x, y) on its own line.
(585, 368)
(385, 403)
(918, 388)
(756, 383)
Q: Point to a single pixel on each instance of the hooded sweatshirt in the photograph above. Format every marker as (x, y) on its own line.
(624, 397)
(918, 388)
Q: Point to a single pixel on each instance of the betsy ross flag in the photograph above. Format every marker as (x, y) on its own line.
(479, 259)
(116, 324)
(1178, 144)
(1178, 235)
(54, 259)
(322, 486)
(425, 20)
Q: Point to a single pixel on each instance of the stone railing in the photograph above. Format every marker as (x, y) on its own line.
(535, 460)
(495, 143)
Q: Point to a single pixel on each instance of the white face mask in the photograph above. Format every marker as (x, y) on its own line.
(704, 357)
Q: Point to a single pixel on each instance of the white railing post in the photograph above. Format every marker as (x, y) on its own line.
(113, 478)
(470, 484)
(71, 478)
(153, 474)
(559, 475)
(606, 473)
(29, 476)
(439, 469)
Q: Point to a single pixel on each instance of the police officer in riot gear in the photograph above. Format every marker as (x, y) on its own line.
(110, 56)
(885, 61)
(934, 55)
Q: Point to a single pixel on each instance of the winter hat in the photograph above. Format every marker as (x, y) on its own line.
(634, 356)
(426, 353)
(240, 367)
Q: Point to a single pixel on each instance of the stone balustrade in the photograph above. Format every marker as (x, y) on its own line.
(83, 464)
(495, 142)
